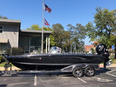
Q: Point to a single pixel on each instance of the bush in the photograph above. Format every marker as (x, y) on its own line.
(15, 51)
(93, 51)
(1, 59)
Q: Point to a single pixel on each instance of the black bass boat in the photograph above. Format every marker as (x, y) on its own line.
(57, 61)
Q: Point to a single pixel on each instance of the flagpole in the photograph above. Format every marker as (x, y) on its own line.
(42, 26)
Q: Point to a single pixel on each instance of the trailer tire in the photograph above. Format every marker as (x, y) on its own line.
(89, 71)
(78, 72)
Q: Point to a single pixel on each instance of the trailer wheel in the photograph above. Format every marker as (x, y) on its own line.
(89, 71)
(77, 72)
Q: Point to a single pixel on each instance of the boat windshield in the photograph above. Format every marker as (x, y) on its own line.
(55, 50)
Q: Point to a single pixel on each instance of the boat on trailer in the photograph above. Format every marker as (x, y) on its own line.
(65, 61)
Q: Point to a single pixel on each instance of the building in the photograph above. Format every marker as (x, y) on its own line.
(88, 47)
(12, 36)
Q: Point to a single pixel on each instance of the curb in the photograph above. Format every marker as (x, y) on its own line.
(13, 68)
(112, 65)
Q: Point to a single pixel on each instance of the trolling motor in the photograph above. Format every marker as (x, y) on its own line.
(102, 50)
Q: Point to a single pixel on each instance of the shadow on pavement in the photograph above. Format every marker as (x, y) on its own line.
(102, 70)
(3, 85)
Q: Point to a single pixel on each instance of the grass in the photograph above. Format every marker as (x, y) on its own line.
(114, 62)
(2, 64)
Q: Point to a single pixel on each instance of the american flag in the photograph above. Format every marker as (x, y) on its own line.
(47, 9)
(46, 23)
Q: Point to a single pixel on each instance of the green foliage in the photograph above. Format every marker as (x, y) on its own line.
(104, 20)
(47, 29)
(104, 26)
(76, 36)
(68, 40)
(1, 17)
(91, 32)
(52, 41)
(36, 27)
(1, 59)
(65, 39)
(112, 40)
(80, 31)
(93, 51)
(15, 51)
(58, 34)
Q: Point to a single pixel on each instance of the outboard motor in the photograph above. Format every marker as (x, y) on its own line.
(102, 50)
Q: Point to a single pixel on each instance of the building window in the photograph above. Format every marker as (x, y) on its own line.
(1, 29)
(3, 47)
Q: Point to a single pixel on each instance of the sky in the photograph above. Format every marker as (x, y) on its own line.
(63, 11)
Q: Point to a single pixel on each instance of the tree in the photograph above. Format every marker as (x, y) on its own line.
(77, 33)
(92, 50)
(1, 17)
(1, 59)
(104, 26)
(52, 40)
(34, 27)
(47, 29)
(58, 34)
(113, 42)
(67, 41)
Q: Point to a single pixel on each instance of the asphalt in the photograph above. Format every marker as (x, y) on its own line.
(102, 78)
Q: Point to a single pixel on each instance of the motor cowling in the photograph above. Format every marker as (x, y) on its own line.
(102, 50)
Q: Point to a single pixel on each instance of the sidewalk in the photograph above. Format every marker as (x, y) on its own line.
(13, 68)
(112, 65)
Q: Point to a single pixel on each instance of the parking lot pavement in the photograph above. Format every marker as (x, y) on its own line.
(103, 78)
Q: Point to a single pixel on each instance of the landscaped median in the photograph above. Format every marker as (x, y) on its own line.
(13, 67)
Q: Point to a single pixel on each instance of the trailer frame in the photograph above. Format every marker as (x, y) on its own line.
(78, 70)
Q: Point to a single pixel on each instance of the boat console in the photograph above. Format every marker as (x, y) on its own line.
(55, 50)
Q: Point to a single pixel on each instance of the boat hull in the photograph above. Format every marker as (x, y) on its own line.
(39, 67)
(52, 61)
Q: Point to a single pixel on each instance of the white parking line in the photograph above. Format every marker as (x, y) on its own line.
(82, 80)
(104, 80)
(109, 73)
(35, 80)
(12, 84)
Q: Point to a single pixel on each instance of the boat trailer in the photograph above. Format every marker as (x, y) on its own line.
(77, 70)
